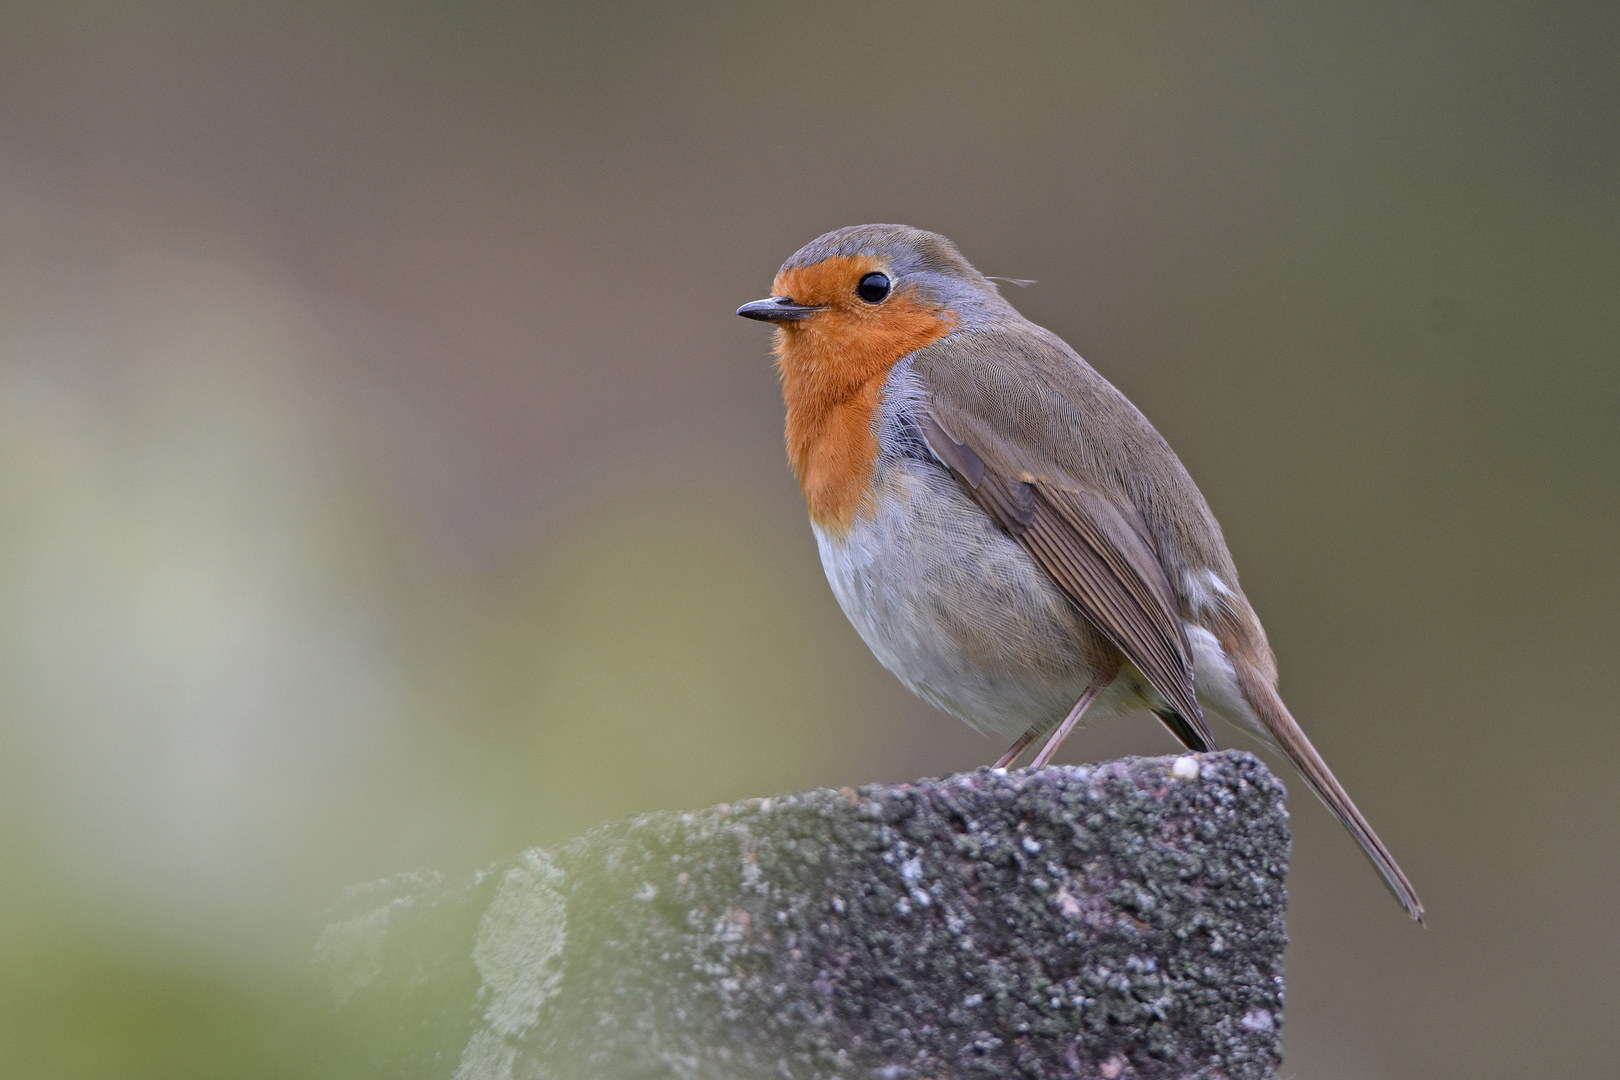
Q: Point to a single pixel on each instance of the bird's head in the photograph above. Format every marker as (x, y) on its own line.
(849, 304)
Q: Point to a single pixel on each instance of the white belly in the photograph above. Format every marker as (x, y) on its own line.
(958, 610)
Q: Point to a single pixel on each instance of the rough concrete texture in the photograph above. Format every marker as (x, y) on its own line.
(1114, 920)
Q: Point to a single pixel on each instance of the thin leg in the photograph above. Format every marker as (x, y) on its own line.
(1015, 749)
(1099, 683)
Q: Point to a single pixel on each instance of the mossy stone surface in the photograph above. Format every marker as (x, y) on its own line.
(1116, 920)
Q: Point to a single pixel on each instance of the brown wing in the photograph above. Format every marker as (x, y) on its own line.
(1103, 563)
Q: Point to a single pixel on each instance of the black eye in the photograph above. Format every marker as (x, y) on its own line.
(873, 288)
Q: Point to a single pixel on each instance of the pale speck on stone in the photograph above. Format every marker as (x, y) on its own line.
(1185, 768)
(733, 925)
(911, 871)
(1032, 845)
(1258, 1020)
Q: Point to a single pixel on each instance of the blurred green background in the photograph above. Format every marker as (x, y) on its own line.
(385, 481)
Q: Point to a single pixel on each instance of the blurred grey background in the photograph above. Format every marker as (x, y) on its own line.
(385, 481)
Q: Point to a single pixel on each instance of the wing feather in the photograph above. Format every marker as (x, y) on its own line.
(1100, 560)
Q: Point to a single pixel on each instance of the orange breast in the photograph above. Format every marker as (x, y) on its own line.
(833, 366)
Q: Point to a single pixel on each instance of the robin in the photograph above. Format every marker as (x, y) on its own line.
(1007, 533)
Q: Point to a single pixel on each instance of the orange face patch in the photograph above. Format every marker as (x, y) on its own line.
(833, 365)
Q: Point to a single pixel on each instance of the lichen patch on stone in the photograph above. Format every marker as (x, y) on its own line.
(519, 948)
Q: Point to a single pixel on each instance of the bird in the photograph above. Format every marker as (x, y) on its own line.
(1008, 534)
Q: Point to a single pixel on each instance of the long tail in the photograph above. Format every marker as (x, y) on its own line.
(1274, 714)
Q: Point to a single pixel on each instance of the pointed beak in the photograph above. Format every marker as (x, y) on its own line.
(776, 309)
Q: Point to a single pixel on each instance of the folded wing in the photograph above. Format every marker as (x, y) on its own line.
(1101, 560)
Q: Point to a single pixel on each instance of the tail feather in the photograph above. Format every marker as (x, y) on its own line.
(1258, 691)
